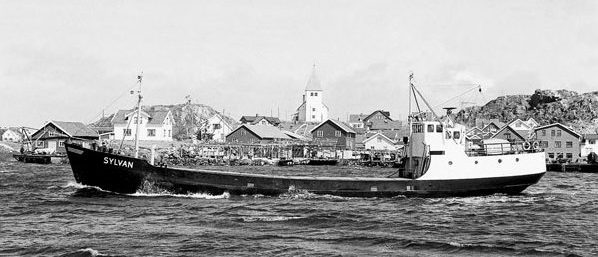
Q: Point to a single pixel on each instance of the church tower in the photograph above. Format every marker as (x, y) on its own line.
(313, 108)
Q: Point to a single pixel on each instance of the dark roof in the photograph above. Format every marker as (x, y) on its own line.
(386, 125)
(338, 124)
(264, 131)
(385, 113)
(155, 117)
(560, 126)
(357, 117)
(254, 119)
(71, 129)
(515, 132)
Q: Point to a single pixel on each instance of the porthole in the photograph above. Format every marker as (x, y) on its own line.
(516, 159)
(499, 160)
(476, 162)
(450, 162)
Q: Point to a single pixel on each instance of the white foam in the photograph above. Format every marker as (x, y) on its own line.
(270, 218)
(91, 251)
(224, 195)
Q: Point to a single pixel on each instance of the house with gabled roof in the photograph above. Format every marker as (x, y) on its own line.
(216, 128)
(10, 135)
(154, 125)
(260, 120)
(334, 133)
(559, 142)
(508, 133)
(52, 136)
(379, 141)
(257, 134)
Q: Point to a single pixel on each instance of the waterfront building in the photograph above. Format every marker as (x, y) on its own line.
(10, 134)
(154, 126)
(51, 137)
(379, 141)
(559, 142)
(334, 133)
(257, 134)
(260, 120)
(217, 128)
(312, 108)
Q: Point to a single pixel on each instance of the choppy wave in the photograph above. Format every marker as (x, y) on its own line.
(224, 195)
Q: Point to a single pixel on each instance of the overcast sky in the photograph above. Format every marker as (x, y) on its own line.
(68, 60)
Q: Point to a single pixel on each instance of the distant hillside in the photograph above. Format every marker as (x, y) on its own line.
(187, 117)
(579, 111)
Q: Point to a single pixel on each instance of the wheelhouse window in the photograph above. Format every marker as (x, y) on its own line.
(439, 128)
(430, 128)
(456, 135)
(418, 128)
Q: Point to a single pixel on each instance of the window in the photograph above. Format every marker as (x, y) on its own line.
(552, 133)
(569, 156)
(417, 128)
(559, 156)
(313, 116)
(51, 134)
(313, 109)
(557, 144)
(569, 144)
(127, 132)
(448, 135)
(508, 136)
(379, 140)
(456, 135)
(439, 128)
(39, 144)
(551, 155)
(544, 144)
(217, 126)
(337, 133)
(543, 132)
(592, 141)
(430, 128)
(315, 93)
(151, 132)
(169, 133)
(60, 143)
(320, 133)
(164, 133)
(558, 133)
(311, 94)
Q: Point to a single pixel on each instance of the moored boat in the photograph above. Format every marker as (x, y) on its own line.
(439, 162)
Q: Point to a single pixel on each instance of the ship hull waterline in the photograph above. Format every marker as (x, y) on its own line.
(127, 175)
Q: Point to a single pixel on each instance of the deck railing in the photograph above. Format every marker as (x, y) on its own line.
(503, 148)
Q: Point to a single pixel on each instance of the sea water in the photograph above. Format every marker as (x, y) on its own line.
(44, 212)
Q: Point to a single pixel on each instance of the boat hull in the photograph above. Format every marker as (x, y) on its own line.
(123, 174)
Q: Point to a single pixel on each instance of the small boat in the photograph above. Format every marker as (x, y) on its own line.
(39, 158)
(438, 163)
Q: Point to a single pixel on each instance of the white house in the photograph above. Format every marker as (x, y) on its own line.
(589, 143)
(217, 127)
(156, 125)
(312, 109)
(379, 141)
(10, 135)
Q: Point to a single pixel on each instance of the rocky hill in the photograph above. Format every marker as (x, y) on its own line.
(188, 118)
(579, 111)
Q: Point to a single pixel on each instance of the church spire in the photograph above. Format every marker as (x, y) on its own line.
(313, 84)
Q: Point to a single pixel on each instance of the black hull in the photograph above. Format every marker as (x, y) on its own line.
(127, 175)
